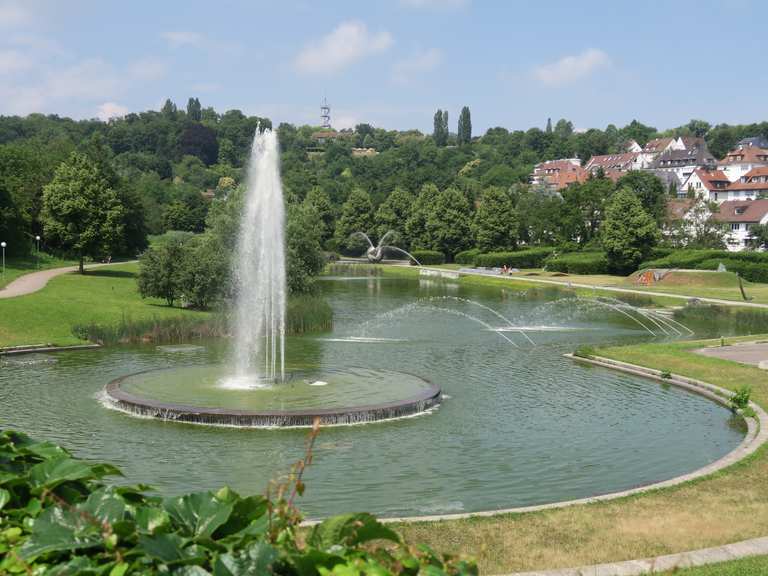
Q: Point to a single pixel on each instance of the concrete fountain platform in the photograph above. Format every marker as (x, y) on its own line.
(418, 402)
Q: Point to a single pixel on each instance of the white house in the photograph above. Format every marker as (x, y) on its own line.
(753, 184)
(741, 160)
(558, 174)
(708, 184)
(740, 216)
(611, 163)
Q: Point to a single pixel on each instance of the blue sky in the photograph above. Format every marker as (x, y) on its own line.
(391, 63)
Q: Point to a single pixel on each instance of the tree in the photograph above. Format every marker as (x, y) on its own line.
(200, 141)
(393, 214)
(698, 228)
(318, 201)
(758, 236)
(194, 110)
(169, 109)
(448, 223)
(698, 128)
(440, 130)
(204, 271)
(464, 132)
(81, 212)
(584, 207)
(495, 225)
(628, 233)
(549, 126)
(303, 248)
(649, 189)
(416, 225)
(160, 271)
(356, 216)
(563, 128)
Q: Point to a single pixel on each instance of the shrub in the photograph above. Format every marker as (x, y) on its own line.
(584, 352)
(426, 257)
(467, 257)
(530, 258)
(579, 263)
(308, 314)
(740, 400)
(752, 266)
(60, 517)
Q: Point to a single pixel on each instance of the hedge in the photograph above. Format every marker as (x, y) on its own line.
(530, 258)
(426, 257)
(752, 266)
(579, 263)
(467, 257)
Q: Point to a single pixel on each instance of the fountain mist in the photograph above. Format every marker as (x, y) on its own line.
(259, 317)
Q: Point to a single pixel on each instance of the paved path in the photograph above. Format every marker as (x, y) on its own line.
(465, 271)
(755, 353)
(29, 283)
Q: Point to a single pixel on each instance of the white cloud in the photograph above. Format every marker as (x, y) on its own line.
(110, 110)
(13, 13)
(148, 69)
(419, 63)
(348, 43)
(180, 38)
(13, 61)
(571, 68)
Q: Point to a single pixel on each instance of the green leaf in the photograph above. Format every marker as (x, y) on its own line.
(151, 519)
(198, 514)
(119, 569)
(46, 450)
(105, 505)
(191, 571)
(245, 512)
(257, 558)
(167, 548)
(350, 530)
(51, 473)
(59, 529)
(5, 497)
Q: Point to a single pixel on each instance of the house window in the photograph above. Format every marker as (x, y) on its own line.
(735, 225)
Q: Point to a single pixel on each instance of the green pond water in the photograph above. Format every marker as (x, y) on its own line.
(519, 425)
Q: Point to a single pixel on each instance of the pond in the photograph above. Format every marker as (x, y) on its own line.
(519, 424)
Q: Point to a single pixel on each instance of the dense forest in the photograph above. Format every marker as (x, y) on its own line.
(447, 191)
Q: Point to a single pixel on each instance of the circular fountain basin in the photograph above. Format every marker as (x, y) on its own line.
(205, 395)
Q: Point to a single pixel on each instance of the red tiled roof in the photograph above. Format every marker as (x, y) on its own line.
(746, 155)
(657, 144)
(612, 161)
(746, 182)
(710, 177)
(560, 173)
(742, 211)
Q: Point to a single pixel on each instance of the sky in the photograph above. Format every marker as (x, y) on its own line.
(391, 63)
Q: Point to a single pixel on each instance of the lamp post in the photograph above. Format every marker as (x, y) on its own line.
(3, 245)
(37, 239)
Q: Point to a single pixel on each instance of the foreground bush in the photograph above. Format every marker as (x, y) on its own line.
(579, 263)
(427, 257)
(58, 517)
(530, 258)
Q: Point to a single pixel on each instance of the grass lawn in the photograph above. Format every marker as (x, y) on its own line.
(15, 267)
(726, 507)
(104, 295)
(757, 566)
(722, 285)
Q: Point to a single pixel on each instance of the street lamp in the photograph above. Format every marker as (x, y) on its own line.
(3, 245)
(37, 239)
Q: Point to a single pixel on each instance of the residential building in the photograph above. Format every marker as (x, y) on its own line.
(740, 216)
(753, 184)
(684, 162)
(742, 159)
(653, 148)
(558, 174)
(613, 163)
(757, 141)
(708, 184)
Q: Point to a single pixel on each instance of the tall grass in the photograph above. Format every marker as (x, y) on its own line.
(303, 314)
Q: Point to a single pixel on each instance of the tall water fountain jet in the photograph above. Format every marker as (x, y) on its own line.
(259, 314)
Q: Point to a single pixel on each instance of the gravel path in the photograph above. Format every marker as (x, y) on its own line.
(35, 281)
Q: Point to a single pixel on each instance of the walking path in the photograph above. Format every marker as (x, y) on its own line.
(29, 283)
(476, 272)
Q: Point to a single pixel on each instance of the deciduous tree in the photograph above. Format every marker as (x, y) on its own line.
(495, 225)
(628, 233)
